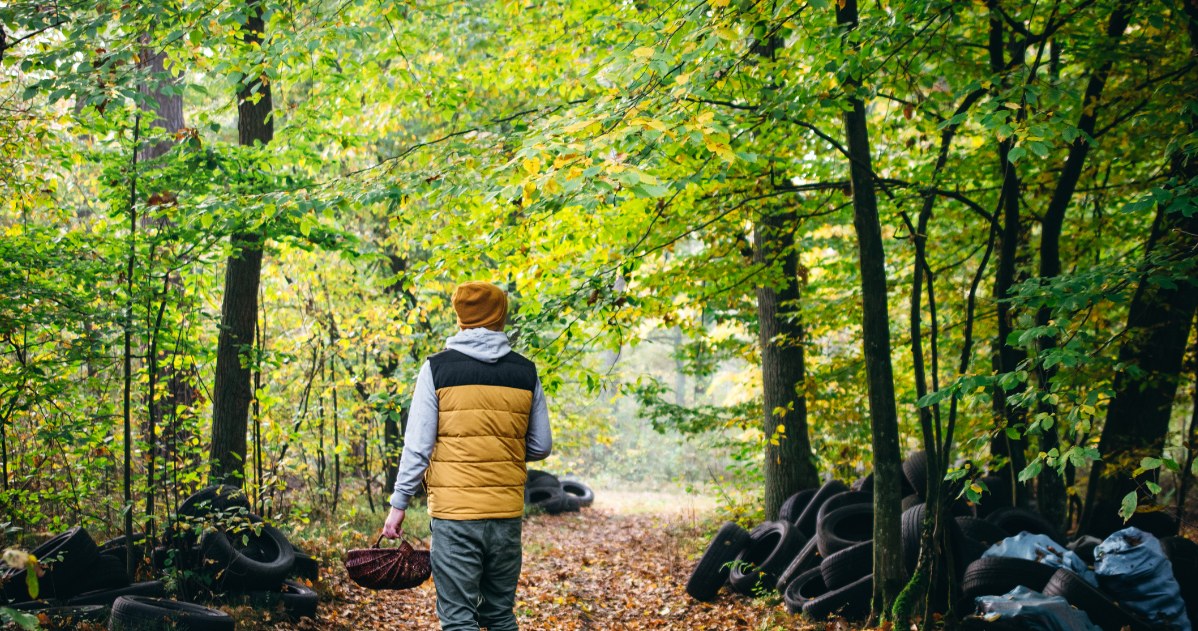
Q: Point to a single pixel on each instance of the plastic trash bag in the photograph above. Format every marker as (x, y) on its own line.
(1132, 567)
(1034, 611)
(1041, 548)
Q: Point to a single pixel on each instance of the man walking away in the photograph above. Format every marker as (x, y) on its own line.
(478, 414)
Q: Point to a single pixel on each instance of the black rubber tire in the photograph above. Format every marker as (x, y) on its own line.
(848, 565)
(803, 588)
(306, 566)
(543, 497)
(915, 469)
(772, 546)
(584, 493)
(865, 484)
(908, 501)
(1084, 547)
(219, 498)
(1016, 520)
(807, 559)
(299, 601)
(1183, 556)
(851, 602)
(848, 498)
(806, 520)
(981, 531)
(998, 495)
(911, 522)
(108, 572)
(538, 479)
(263, 563)
(711, 572)
(119, 548)
(1158, 523)
(185, 557)
(793, 507)
(845, 527)
(995, 576)
(105, 597)
(139, 613)
(1102, 609)
(62, 576)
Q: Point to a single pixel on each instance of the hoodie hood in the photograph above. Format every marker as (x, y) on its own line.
(481, 344)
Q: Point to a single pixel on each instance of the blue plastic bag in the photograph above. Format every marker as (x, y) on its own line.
(1037, 547)
(1132, 567)
(1034, 611)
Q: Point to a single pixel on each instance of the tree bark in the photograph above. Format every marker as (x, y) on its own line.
(1158, 328)
(232, 392)
(1006, 357)
(789, 465)
(887, 566)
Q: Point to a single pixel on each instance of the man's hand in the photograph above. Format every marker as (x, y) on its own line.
(393, 529)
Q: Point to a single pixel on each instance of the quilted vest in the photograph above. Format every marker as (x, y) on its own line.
(477, 470)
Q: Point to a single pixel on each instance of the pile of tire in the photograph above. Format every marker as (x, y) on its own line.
(83, 581)
(239, 554)
(549, 494)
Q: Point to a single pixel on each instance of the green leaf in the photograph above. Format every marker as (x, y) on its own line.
(27, 621)
(31, 580)
(1128, 506)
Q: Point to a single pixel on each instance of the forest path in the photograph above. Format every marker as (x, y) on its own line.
(620, 564)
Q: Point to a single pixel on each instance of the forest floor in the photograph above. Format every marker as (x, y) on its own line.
(620, 564)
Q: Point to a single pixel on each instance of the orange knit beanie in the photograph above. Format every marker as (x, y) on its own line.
(480, 305)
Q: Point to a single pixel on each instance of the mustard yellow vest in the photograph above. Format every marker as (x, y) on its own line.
(477, 468)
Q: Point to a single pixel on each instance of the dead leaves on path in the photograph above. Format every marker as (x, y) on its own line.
(582, 571)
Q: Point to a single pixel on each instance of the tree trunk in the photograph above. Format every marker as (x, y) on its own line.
(1050, 497)
(1158, 328)
(1006, 357)
(887, 567)
(239, 311)
(789, 465)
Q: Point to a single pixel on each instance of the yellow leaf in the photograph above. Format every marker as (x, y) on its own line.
(726, 33)
(532, 166)
(578, 126)
(719, 3)
(529, 189)
(682, 79)
(643, 52)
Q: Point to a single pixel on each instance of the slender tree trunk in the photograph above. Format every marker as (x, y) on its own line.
(888, 563)
(1006, 356)
(239, 311)
(789, 465)
(128, 352)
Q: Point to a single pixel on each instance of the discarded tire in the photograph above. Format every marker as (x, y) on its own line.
(807, 559)
(848, 498)
(550, 499)
(65, 616)
(1016, 520)
(803, 588)
(851, 602)
(848, 565)
(108, 572)
(845, 527)
(1101, 609)
(221, 498)
(1084, 547)
(711, 572)
(75, 552)
(1183, 556)
(585, 495)
(793, 507)
(119, 547)
(306, 566)
(915, 469)
(256, 557)
(105, 597)
(538, 478)
(981, 531)
(994, 576)
(998, 495)
(806, 520)
(772, 546)
(141, 613)
(294, 599)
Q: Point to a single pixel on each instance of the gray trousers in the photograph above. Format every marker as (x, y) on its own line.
(476, 565)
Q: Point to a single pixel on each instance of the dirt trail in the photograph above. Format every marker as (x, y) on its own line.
(621, 564)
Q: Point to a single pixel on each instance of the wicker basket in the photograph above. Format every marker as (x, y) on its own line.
(388, 568)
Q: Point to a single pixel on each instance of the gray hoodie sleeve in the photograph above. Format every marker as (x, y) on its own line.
(419, 439)
(538, 443)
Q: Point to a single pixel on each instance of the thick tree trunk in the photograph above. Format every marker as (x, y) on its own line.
(1158, 328)
(789, 466)
(239, 311)
(887, 567)
(1050, 497)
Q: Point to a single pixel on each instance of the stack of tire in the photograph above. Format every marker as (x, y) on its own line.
(80, 580)
(239, 554)
(818, 554)
(550, 494)
(85, 582)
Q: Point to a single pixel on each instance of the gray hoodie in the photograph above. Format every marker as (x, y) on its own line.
(421, 436)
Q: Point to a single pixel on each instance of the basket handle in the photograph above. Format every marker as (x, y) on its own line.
(404, 537)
